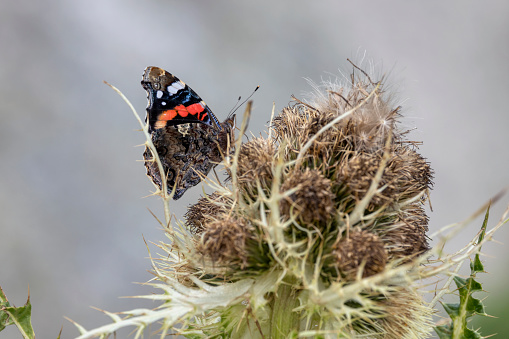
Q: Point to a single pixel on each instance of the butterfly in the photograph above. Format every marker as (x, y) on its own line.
(188, 137)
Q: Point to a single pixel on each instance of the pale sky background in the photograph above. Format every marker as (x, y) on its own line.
(72, 203)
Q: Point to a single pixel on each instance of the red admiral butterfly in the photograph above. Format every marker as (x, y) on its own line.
(189, 139)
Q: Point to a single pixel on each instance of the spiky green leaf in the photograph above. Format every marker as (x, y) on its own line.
(446, 332)
(21, 316)
(476, 265)
(468, 305)
(452, 309)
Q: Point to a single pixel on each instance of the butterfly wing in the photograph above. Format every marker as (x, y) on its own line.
(186, 155)
(171, 102)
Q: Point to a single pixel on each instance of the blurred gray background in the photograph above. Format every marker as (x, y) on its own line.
(72, 206)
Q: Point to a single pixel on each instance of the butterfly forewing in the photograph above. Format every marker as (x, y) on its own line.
(171, 102)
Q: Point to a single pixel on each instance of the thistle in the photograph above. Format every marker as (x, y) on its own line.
(333, 196)
(319, 230)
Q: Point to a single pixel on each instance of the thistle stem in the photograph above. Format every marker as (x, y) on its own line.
(284, 320)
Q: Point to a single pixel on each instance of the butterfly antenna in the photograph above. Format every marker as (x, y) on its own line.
(237, 105)
(234, 106)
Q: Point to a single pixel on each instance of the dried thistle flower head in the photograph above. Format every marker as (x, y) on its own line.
(405, 175)
(368, 126)
(255, 161)
(405, 236)
(207, 209)
(360, 250)
(312, 199)
(224, 241)
(404, 314)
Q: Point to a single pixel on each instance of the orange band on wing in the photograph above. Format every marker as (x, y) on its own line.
(167, 115)
(199, 110)
(182, 111)
(194, 109)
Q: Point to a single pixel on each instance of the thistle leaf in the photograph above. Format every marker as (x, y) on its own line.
(20, 316)
(460, 313)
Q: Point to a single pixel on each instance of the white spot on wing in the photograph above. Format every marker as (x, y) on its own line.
(163, 103)
(159, 94)
(178, 85)
(172, 90)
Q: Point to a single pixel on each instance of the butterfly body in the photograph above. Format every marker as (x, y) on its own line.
(189, 139)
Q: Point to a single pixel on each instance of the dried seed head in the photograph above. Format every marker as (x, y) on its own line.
(406, 236)
(357, 174)
(415, 173)
(360, 248)
(313, 201)
(206, 209)
(365, 128)
(224, 241)
(406, 174)
(370, 123)
(288, 124)
(297, 124)
(255, 161)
